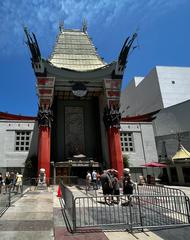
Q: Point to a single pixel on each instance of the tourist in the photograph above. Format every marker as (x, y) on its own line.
(116, 186)
(19, 182)
(7, 181)
(94, 179)
(12, 180)
(98, 180)
(128, 186)
(88, 180)
(107, 187)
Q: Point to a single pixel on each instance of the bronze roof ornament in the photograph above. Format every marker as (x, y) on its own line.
(123, 56)
(61, 26)
(84, 25)
(33, 46)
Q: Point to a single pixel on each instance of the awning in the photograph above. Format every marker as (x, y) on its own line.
(155, 164)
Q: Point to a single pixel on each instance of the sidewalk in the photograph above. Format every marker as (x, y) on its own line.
(31, 217)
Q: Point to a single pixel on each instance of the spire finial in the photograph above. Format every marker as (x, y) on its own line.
(84, 25)
(61, 26)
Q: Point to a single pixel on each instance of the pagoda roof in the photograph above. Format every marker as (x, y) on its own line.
(181, 154)
(74, 50)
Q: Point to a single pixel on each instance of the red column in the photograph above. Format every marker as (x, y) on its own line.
(115, 152)
(44, 150)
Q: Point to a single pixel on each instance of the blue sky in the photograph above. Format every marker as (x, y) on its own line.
(163, 28)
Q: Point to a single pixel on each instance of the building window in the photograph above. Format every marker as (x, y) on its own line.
(127, 143)
(22, 141)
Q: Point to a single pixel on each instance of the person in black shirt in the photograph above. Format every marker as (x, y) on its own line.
(7, 182)
(107, 186)
(128, 186)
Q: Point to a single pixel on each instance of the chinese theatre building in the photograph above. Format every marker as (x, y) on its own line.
(78, 115)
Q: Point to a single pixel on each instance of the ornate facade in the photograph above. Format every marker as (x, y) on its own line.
(79, 98)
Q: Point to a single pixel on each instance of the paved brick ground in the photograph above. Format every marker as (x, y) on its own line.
(22, 225)
(62, 233)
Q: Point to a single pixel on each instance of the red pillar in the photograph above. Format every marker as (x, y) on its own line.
(44, 150)
(115, 152)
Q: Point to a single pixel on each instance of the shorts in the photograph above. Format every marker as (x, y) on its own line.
(107, 190)
(116, 192)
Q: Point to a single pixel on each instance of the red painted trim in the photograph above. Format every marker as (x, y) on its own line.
(149, 117)
(44, 150)
(8, 116)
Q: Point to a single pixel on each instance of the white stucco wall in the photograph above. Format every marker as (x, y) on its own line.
(143, 95)
(149, 142)
(174, 84)
(168, 124)
(144, 143)
(174, 119)
(8, 156)
(161, 88)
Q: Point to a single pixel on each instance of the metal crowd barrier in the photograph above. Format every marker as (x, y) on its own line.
(4, 203)
(147, 189)
(148, 209)
(68, 207)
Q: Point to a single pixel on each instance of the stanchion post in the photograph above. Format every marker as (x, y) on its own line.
(9, 197)
(131, 218)
(74, 214)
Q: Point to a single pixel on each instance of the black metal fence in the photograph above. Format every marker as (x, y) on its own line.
(149, 207)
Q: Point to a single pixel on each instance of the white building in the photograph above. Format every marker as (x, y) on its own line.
(137, 142)
(172, 127)
(165, 88)
(18, 141)
(16, 144)
(161, 88)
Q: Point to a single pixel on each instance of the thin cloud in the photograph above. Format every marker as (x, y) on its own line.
(43, 16)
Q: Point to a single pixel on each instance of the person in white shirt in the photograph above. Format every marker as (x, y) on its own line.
(94, 180)
(88, 180)
(18, 183)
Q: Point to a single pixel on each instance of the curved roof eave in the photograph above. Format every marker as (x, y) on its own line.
(9, 116)
(102, 71)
